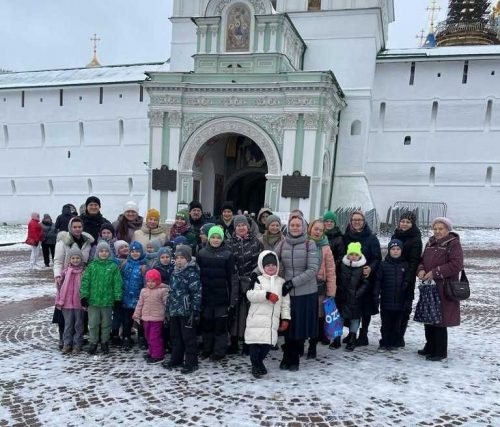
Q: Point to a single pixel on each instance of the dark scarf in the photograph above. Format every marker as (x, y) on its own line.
(92, 224)
(272, 239)
(177, 231)
(79, 241)
(406, 235)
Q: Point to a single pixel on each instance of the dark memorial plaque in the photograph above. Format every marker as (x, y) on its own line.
(296, 186)
(164, 179)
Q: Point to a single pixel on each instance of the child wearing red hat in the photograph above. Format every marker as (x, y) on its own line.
(151, 311)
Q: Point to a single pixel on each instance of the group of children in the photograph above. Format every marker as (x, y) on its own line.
(126, 286)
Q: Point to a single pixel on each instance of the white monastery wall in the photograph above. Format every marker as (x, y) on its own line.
(454, 152)
(53, 154)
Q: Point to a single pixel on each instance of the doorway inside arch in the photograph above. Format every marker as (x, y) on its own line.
(231, 167)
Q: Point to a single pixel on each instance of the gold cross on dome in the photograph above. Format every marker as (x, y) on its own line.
(94, 40)
(421, 38)
(433, 10)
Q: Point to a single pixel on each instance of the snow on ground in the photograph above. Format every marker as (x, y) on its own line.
(38, 385)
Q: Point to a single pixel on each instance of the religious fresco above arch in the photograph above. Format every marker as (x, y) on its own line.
(238, 25)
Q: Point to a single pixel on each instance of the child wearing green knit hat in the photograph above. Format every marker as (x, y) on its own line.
(215, 236)
(352, 286)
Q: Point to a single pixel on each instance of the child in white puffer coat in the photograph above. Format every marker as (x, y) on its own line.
(269, 311)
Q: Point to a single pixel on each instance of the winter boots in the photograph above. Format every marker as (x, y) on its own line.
(363, 338)
(351, 341)
(105, 347)
(92, 349)
(335, 343)
(311, 351)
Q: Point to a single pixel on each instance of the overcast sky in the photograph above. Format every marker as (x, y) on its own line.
(47, 34)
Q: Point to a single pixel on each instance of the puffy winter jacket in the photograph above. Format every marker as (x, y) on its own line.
(133, 280)
(62, 220)
(92, 223)
(65, 241)
(185, 291)
(445, 258)
(412, 251)
(246, 253)
(68, 295)
(49, 233)
(300, 260)
(101, 283)
(146, 234)
(219, 281)
(351, 288)
(327, 271)
(35, 233)
(336, 241)
(263, 316)
(391, 283)
(151, 304)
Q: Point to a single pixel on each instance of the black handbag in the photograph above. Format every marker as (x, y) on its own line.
(458, 291)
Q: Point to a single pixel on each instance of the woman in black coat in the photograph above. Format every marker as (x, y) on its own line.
(359, 231)
(410, 235)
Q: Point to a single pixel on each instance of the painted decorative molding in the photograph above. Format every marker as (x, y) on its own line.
(192, 122)
(175, 119)
(215, 7)
(155, 118)
(302, 101)
(291, 121)
(165, 99)
(267, 101)
(234, 101)
(312, 121)
(272, 124)
(230, 125)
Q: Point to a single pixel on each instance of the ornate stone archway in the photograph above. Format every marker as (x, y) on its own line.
(230, 125)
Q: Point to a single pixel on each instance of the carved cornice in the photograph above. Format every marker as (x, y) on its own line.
(215, 7)
(155, 118)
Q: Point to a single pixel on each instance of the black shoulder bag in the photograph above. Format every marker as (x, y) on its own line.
(457, 290)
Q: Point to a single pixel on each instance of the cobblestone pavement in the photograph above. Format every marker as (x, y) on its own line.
(40, 386)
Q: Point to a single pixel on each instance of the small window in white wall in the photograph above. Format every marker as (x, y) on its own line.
(120, 131)
(356, 127)
(13, 186)
(42, 132)
(130, 185)
(6, 135)
(432, 176)
(381, 116)
(412, 74)
(51, 186)
(82, 133)
(407, 140)
(489, 173)
(90, 186)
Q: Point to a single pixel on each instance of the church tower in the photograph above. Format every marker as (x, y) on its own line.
(468, 23)
(284, 86)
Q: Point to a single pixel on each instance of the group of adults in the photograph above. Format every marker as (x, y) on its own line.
(309, 256)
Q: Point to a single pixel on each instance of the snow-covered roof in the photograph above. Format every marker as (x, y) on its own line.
(440, 52)
(128, 73)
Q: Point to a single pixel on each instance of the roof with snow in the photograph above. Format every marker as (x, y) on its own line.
(128, 73)
(440, 52)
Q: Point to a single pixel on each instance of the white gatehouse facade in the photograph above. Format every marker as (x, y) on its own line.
(257, 92)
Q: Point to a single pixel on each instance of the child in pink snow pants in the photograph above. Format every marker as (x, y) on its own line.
(151, 311)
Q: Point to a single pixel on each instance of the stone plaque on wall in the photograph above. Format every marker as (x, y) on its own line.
(296, 186)
(164, 179)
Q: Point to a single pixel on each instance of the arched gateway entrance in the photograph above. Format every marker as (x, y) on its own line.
(230, 159)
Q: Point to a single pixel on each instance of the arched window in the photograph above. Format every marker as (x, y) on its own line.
(356, 127)
(239, 20)
(314, 5)
(407, 140)
(489, 173)
(432, 176)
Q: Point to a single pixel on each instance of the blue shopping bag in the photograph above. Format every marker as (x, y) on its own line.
(333, 321)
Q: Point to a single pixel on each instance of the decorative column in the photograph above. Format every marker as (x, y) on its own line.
(289, 137)
(174, 121)
(261, 35)
(155, 154)
(311, 125)
(202, 39)
(273, 192)
(274, 31)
